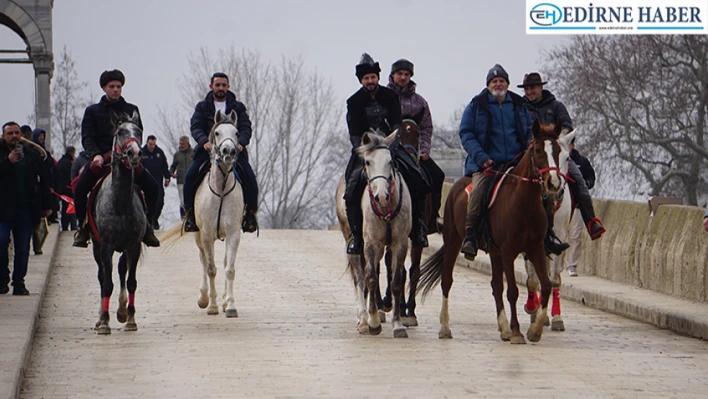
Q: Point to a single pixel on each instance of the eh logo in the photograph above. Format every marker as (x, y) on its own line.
(545, 14)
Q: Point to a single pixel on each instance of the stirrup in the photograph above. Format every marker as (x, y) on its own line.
(470, 248)
(556, 246)
(190, 225)
(250, 223)
(597, 233)
(354, 246)
(80, 240)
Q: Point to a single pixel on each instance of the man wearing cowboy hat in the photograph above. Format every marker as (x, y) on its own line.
(544, 107)
(376, 107)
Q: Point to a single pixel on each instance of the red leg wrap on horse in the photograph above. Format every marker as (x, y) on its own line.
(532, 302)
(106, 302)
(131, 299)
(556, 311)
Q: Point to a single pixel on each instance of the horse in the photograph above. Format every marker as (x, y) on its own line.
(410, 140)
(387, 223)
(563, 211)
(518, 224)
(120, 222)
(219, 191)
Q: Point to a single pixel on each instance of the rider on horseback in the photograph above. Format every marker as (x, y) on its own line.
(544, 107)
(414, 106)
(97, 140)
(377, 107)
(493, 135)
(202, 121)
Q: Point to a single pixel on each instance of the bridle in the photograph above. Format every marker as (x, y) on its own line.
(391, 180)
(118, 153)
(215, 157)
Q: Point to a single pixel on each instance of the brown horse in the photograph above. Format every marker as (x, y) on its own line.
(410, 140)
(518, 224)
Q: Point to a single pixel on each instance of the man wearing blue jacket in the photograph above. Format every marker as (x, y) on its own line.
(494, 129)
(201, 123)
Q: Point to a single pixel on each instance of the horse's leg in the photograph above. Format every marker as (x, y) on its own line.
(133, 258)
(556, 271)
(210, 268)
(532, 286)
(512, 295)
(122, 314)
(397, 287)
(411, 319)
(97, 257)
(203, 300)
(106, 288)
(232, 242)
(537, 257)
(357, 268)
(387, 301)
(373, 257)
(498, 294)
(448, 265)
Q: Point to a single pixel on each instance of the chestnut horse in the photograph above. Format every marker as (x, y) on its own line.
(518, 224)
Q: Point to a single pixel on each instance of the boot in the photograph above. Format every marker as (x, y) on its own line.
(551, 242)
(250, 222)
(149, 238)
(595, 228)
(355, 243)
(470, 246)
(82, 236)
(433, 225)
(419, 235)
(190, 225)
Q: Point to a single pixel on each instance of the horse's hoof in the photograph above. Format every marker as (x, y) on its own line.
(445, 334)
(213, 310)
(382, 316)
(203, 303)
(547, 322)
(410, 321)
(98, 324)
(231, 313)
(518, 339)
(557, 325)
(363, 329)
(103, 329)
(506, 336)
(375, 330)
(532, 318)
(131, 327)
(122, 315)
(400, 333)
(533, 336)
(532, 312)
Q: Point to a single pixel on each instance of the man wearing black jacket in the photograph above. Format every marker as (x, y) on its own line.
(544, 107)
(24, 199)
(201, 123)
(155, 161)
(376, 107)
(97, 138)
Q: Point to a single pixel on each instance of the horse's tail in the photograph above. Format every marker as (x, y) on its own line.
(431, 272)
(171, 237)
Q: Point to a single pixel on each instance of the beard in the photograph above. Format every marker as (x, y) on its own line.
(498, 93)
(220, 94)
(371, 87)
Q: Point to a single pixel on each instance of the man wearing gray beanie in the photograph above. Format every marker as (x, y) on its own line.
(494, 129)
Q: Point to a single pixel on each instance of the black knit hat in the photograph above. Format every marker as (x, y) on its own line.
(402, 65)
(367, 66)
(109, 76)
(497, 71)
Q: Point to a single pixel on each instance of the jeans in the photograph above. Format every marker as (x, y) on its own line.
(21, 227)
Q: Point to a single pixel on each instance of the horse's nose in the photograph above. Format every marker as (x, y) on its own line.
(387, 197)
(376, 198)
(130, 152)
(233, 152)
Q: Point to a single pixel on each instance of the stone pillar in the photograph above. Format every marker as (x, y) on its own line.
(43, 72)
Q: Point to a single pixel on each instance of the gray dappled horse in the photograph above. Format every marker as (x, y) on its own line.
(386, 207)
(120, 222)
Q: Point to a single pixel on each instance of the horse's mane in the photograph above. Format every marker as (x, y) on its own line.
(225, 119)
(547, 131)
(376, 137)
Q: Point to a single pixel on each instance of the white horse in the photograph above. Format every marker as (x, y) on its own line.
(218, 212)
(387, 220)
(561, 223)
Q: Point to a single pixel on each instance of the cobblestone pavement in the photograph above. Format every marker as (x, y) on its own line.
(296, 336)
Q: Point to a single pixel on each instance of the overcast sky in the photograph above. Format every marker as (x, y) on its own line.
(451, 43)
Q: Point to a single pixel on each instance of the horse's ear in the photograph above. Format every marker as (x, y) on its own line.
(566, 138)
(218, 116)
(365, 139)
(233, 117)
(391, 138)
(114, 118)
(135, 117)
(558, 128)
(535, 128)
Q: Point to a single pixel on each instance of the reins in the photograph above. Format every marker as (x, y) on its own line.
(392, 212)
(217, 160)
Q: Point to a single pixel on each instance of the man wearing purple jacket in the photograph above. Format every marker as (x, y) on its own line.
(414, 107)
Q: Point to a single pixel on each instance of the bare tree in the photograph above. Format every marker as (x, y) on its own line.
(640, 103)
(68, 102)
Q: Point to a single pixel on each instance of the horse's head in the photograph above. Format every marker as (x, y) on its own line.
(378, 165)
(224, 138)
(546, 155)
(127, 136)
(410, 137)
